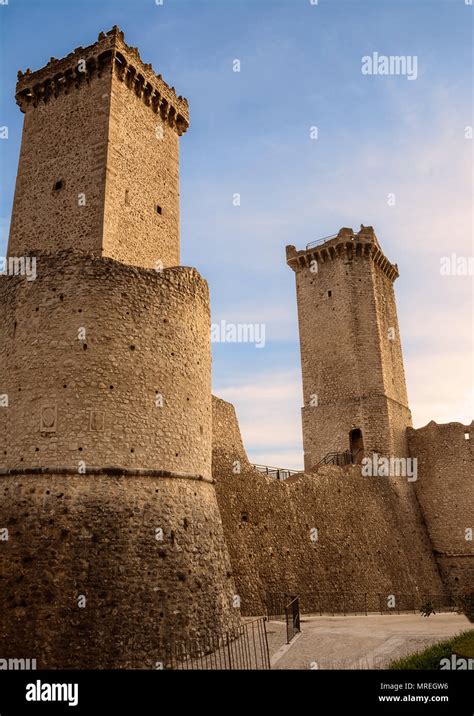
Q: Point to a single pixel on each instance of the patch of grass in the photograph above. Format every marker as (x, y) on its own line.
(464, 645)
(429, 659)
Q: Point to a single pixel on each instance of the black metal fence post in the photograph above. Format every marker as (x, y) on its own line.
(292, 618)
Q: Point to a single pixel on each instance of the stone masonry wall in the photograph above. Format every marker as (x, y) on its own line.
(142, 174)
(112, 545)
(64, 139)
(104, 125)
(84, 581)
(368, 540)
(399, 415)
(349, 360)
(105, 440)
(445, 490)
(105, 364)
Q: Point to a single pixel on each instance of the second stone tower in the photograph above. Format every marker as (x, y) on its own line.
(355, 397)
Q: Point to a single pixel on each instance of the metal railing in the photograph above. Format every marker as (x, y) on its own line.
(245, 647)
(280, 473)
(341, 603)
(336, 458)
(275, 603)
(312, 244)
(331, 458)
(284, 607)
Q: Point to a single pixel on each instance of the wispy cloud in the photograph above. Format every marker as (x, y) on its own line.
(268, 410)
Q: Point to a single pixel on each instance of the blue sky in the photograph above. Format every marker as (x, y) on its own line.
(250, 134)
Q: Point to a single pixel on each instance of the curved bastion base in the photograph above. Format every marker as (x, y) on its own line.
(105, 364)
(104, 571)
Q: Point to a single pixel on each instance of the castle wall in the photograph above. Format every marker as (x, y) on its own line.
(91, 465)
(118, 542)
(370, 538)
(90, 346)
(87, 584)
(445, 492)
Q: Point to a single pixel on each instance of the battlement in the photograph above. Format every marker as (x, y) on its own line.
(82, 65)
(434, 427)
(345, 243)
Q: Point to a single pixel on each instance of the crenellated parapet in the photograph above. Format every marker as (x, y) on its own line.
(80, 67)
(345, 243)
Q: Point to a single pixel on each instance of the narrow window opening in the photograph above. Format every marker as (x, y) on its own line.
(329, 294)
(58, 185)
(159, 210)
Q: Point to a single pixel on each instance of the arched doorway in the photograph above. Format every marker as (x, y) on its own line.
(356, 444)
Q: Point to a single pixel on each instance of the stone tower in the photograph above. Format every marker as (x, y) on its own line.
(99, 163)
(354, 388)
(114, 539)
